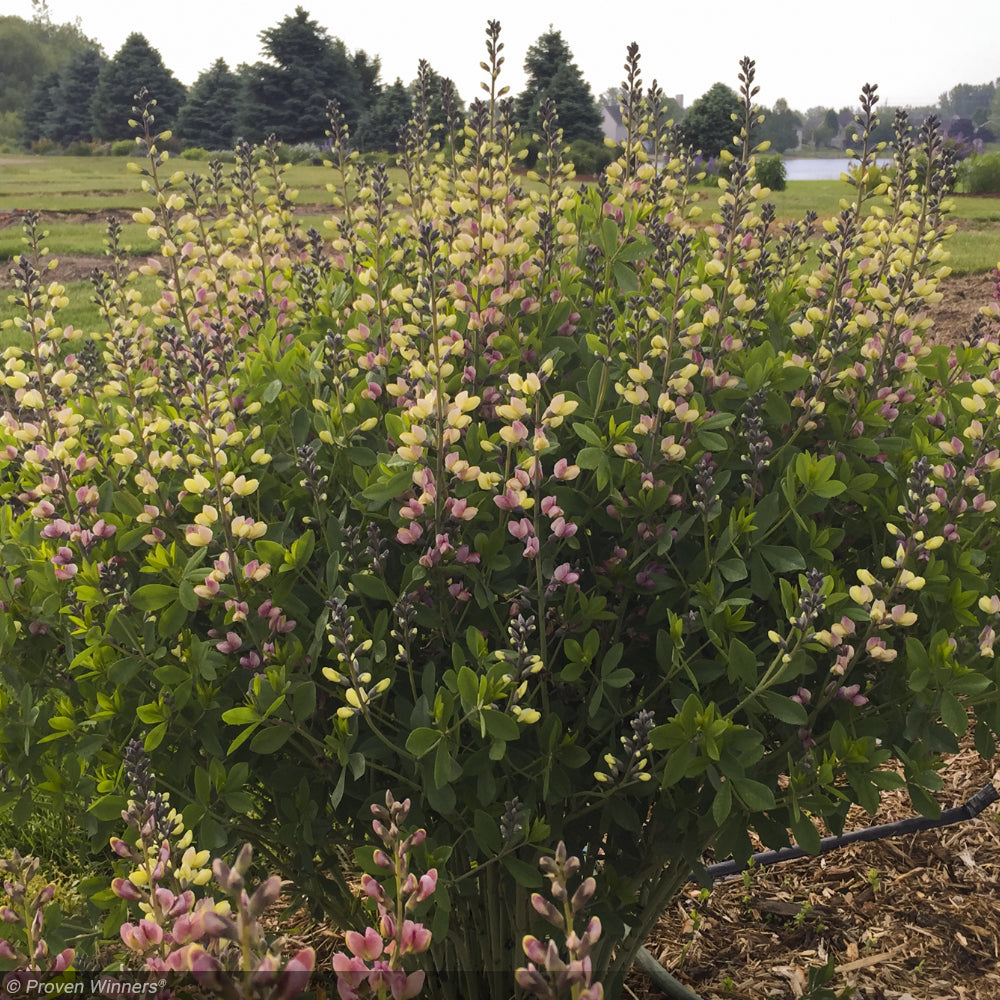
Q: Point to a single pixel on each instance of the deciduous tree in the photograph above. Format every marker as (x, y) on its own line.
(708, 125)
(781, 127)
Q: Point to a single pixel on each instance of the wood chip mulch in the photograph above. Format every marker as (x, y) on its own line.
(910, 918)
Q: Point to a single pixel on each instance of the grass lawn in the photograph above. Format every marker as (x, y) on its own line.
(90, 186)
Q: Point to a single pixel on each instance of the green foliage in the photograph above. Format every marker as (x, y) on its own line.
(771, 172)
(553, 75)
(306, 67)
(780, 127)
(966, 100)
(136, 65)
(60, 105)
(708, 125)
(33, 50)
(980, 174)
(590, 157)
(568, 519)
(381, 126)
(208, 115)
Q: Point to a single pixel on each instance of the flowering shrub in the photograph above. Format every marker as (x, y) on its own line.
(569, 514)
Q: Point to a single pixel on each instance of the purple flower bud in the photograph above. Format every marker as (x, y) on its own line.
(265, 895)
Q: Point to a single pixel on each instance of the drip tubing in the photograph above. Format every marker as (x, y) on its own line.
(959, 814)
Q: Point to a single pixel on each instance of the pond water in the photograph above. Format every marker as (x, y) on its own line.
(802, 168)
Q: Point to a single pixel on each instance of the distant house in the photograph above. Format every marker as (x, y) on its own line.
(611, 120)
(611, 123)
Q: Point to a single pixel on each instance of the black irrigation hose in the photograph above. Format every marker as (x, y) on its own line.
(959, 814)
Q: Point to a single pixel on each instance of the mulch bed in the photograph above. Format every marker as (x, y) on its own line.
(911, 918)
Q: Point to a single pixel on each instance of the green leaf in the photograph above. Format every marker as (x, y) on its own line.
(953, 715)
(241, 716)
(590, 458)
(108, 807)
(187, 597)
(372, 586)
(754, 795)
(637, 249)
(523, 873)
(388, 489)
(153, 596)
(722, 804)
(500, 726)
(784, 709)
(923, 801)
(155, 737)
(468, 687)
(422, 740)
(270, 738)
(444, 765)
(806, 835)
(742, 663)
(122, 671)
(628, 280)
(486, 832)
(151, 714)
(783, 558)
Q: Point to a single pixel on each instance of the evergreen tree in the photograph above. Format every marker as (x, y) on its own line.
(380, 126)
(553, 74)
(41, 107)
(709, 124)
(287, 96)
(208, 115)
(70, 120)
(134, 66)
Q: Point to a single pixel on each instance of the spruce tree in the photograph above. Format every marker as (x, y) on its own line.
(553, 74)
(208, 116)
(70, 119)
(380, 127)
(306, 67)
(134, 66)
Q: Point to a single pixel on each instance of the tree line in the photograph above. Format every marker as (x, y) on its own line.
(57, 85)
(81, 95)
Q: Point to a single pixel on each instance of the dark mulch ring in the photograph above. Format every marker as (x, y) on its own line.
(910, 918)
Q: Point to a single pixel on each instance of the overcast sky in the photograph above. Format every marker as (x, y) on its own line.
(809, 54)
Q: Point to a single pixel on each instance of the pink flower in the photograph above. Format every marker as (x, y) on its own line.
(563, 529)
(521, 529)
(414, 938)
(409, 534)
(365, 946)
(231, 644)
(564, 574)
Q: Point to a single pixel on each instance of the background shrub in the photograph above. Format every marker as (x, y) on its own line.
(771, 172)
(980, 174)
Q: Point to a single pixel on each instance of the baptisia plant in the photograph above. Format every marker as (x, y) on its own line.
(571, 514)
